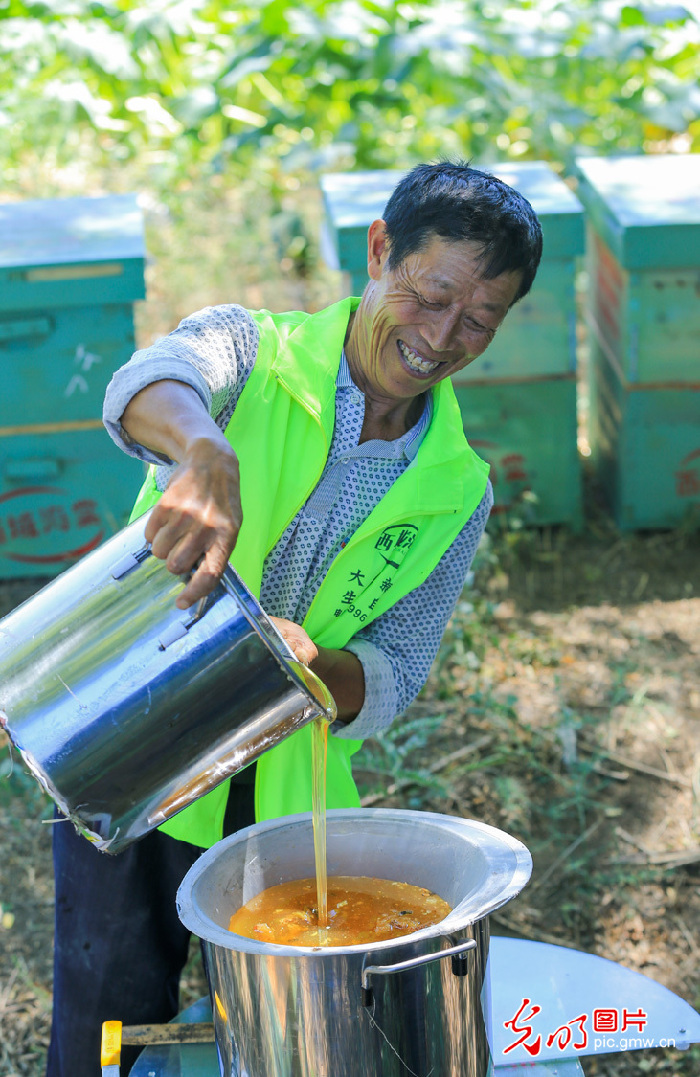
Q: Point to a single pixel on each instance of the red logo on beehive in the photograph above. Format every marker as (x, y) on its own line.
(43, 525)
(507, 469)
(688, 475)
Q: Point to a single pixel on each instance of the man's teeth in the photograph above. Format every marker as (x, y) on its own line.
(415, 361)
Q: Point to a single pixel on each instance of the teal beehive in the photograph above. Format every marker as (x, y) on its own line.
(539, 335)
(70, 270)
(535, 345)
(643, 313)
(526, 432)
(647, 449)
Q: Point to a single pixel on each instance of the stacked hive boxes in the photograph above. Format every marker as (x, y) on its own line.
(643, 247)
(518, 400)
(70, 270)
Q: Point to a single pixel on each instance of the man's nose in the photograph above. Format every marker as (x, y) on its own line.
(439, 331)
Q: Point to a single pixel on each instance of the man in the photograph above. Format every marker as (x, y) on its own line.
(325, 456)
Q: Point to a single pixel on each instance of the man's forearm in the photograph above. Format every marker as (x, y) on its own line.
(195, 524)
(342, 673)
(168, 417)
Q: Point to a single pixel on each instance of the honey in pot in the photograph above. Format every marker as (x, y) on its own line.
(360, 910)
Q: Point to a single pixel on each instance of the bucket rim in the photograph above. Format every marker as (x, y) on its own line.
(303, 677)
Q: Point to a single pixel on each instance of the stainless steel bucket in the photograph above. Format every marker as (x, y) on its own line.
(417, 1005)
(127, 709)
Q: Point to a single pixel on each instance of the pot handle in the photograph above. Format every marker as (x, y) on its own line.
(455, 952)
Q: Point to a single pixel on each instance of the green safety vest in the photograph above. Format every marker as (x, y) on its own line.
(281, 431)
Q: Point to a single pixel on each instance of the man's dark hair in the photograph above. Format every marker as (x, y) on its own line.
(457, 202)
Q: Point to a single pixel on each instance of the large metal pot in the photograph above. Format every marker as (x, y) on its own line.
(127, 709)
(417, 1005)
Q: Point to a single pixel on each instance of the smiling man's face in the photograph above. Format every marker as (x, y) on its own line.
(425, 319)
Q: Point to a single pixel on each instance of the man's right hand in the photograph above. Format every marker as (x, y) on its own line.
(197, 519)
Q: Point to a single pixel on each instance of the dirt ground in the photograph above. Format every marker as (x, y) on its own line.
(564, 708)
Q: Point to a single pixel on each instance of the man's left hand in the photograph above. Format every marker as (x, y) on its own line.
(300, 642)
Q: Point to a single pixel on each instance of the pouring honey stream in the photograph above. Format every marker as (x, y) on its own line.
(319, 755)
(348, 909)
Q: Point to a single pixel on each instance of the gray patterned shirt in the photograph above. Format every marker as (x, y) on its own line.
(214, 352)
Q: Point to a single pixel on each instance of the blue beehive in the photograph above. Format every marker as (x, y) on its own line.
(70, 270)
(507, 395)
(643, 312)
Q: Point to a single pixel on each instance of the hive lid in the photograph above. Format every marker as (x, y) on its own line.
(354, 199)
(647, 209)
(71, 250)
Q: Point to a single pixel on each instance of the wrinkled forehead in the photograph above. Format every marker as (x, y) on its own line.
(448, 266)
(437, 255)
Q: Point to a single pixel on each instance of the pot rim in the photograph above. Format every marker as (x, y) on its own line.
(510, 865)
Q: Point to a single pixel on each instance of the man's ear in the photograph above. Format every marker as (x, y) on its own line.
(377, 249)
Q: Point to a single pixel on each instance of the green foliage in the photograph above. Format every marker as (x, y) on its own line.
(16, 782)
(395, 758)
(365, 83)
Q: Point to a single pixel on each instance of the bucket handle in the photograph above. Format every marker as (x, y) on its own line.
(129, 561)
(455, 952)
(177, 629)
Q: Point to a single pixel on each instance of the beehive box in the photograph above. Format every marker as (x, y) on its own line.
(647, 449)
(537, 341)
(70, 270)
(539, 335)
(643, 313)
(526, 431)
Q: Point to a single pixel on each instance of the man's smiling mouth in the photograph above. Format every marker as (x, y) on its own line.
(415, 361)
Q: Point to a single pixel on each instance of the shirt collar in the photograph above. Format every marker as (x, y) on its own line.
(344, 379)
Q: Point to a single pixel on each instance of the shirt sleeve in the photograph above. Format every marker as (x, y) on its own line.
(398, 649)
(213, 351)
